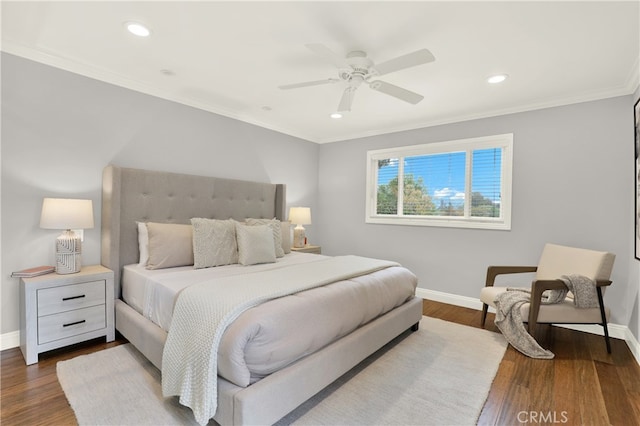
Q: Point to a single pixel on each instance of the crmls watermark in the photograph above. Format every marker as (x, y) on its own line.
(543, 417)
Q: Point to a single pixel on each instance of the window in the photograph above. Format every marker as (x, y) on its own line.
(464, 183)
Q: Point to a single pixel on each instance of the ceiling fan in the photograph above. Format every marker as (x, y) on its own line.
(356, 68)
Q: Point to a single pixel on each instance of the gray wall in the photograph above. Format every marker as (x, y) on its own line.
(59, 130)
(573, 178)
(572, 185)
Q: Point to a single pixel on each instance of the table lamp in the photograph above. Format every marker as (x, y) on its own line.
(67, 214)
(299, 216)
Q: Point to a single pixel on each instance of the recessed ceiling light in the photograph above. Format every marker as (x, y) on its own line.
(336, 115)
(499, 78)
(138, 29)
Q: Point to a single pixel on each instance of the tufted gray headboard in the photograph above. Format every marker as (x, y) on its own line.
(130, 195)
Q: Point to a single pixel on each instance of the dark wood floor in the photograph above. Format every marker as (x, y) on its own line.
(31, 395)
(583, 385)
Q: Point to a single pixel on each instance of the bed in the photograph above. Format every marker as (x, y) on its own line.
(131, 196)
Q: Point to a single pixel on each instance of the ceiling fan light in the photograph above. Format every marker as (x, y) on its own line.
(138, 29)
(336, 115)
(498, 78)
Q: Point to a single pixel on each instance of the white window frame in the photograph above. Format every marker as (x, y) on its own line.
(503, 141)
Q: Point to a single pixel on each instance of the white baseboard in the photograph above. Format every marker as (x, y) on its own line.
(633, 344)
(9, 340)
(616, 331)
(448, 298)
(12, 339)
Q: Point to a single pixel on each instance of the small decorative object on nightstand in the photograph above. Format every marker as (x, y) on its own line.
(60, 310)
(308, 249)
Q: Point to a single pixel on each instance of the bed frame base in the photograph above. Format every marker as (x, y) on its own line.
(270, 399)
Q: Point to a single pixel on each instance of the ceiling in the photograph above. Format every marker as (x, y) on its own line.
(230, 57)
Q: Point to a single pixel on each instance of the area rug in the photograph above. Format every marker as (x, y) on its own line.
(440, 374)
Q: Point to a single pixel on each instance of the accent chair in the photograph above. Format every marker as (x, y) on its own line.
(556, 261)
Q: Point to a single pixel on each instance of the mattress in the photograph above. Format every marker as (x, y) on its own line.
(270, 336)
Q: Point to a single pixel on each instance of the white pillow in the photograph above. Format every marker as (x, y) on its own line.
(255, 244)
(274, 225)
(214, 242)
(143, 243)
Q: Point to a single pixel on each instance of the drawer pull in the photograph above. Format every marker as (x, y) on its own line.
(64, 299)
(73, 323)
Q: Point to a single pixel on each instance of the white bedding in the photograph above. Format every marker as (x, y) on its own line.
(152, 293)
(272, 335)
(204, 311)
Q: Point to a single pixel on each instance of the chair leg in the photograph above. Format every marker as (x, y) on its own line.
(606, 337)
(603, 315)
(485, 308)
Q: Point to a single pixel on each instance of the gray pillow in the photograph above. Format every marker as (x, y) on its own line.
(255, 244)
(170, 245)
(214, 242)
(274, 225)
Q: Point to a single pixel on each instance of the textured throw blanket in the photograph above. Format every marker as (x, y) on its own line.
(203, 312)
(584, 291)
(510, 322)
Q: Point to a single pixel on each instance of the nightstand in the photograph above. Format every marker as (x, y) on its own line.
(308, 249)
(60, 310)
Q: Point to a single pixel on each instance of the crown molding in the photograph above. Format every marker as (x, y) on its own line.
(631, 84)
(77, 67)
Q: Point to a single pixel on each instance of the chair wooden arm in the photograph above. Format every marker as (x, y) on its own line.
(540, 286)
(494, 271)
(537, 288)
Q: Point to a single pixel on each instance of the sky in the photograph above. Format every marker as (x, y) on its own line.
(444, 174)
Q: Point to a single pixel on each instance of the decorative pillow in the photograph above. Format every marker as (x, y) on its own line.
(285, 231)
(274, 225)
(214, 242)
(143, 243)
(255, 244)
(170, 245)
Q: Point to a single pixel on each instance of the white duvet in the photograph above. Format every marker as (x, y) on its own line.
(274, 334)
(153, 292)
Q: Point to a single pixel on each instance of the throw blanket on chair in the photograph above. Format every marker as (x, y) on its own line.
(203, 311)
(510, 322)
(583, 289)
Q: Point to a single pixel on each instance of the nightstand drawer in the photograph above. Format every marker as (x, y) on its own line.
(70, 297)
(72, 323)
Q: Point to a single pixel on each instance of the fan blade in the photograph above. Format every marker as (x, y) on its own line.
(396, 92)
(328, 55)
(347, 99)
(409, 60)
(309, 83)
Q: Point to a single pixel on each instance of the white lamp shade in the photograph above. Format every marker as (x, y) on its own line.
(65, 213)
(300, 215)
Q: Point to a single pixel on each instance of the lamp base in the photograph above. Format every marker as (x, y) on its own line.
(68, 253)
(298, 236)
